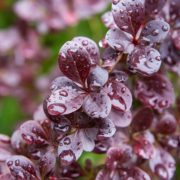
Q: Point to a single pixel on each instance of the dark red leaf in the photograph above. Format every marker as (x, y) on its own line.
(22, 168)
(33, 133)
(128, 15)
(120, 95)
(143, 145)
(166, 124)
(119, 76)
(91, 47)
(109, 57)
(156, 92)
(70, 149)
(142, 120)
(144, 60)
(153, 7)
(174, 11)
(106, 128)
(74, 61)
(65, 100)
(163, 164)
(139, 174)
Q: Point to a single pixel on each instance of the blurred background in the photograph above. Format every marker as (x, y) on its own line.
(31, 34)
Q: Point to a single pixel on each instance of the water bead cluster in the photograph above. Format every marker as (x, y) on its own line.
(120, 103)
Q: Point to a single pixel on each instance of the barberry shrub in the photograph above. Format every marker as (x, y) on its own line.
(119, 102)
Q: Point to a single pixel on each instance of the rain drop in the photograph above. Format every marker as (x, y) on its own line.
(56, 109)
(63, 93)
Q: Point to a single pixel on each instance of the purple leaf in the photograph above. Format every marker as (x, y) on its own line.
(142, 120)
(120, 95)
(91, 47)
(74, 61)
(156, 92)
(128, 15)
(143, 145)
(33, 133)
(155, 31)
(163, 164)
(118, 157)
(145, 61)
(174, 11)
(47, 162)
(166, 124)
(65, 100)
(119, 118)
(106, 128)
(119, 40)
(22, 168)
(88, 137)
(70, 149)
(97, 77)
(119, 76)
(139, 174)
(153, 7)
(97, 105)
(109, 57)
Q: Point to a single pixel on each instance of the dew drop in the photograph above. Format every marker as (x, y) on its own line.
(17, 162)
(85, 42)
(165, 28)
(67, 157)
(63, 93)
(10, 163)
(67, 141)
(161, 171)
(155, 32)
(158, 58)
(56, 109)
(124, 27)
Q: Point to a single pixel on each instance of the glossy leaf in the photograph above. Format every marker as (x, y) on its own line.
(166, 124)
(143, 145)
(97, 77)
(106, 128)
(120, 95)
(174, 12)
(155, 31)
(153, 7)
(142, 120)
(163, 164)
(74, 61)
(119, 118)
(145, 61)
(88, 137)
(128, 15)
(33, 133)
(119, 40)
(91, 47)
(156, 92)
(70, 149)
(97, 105)
(65, 100)
(22, 168)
